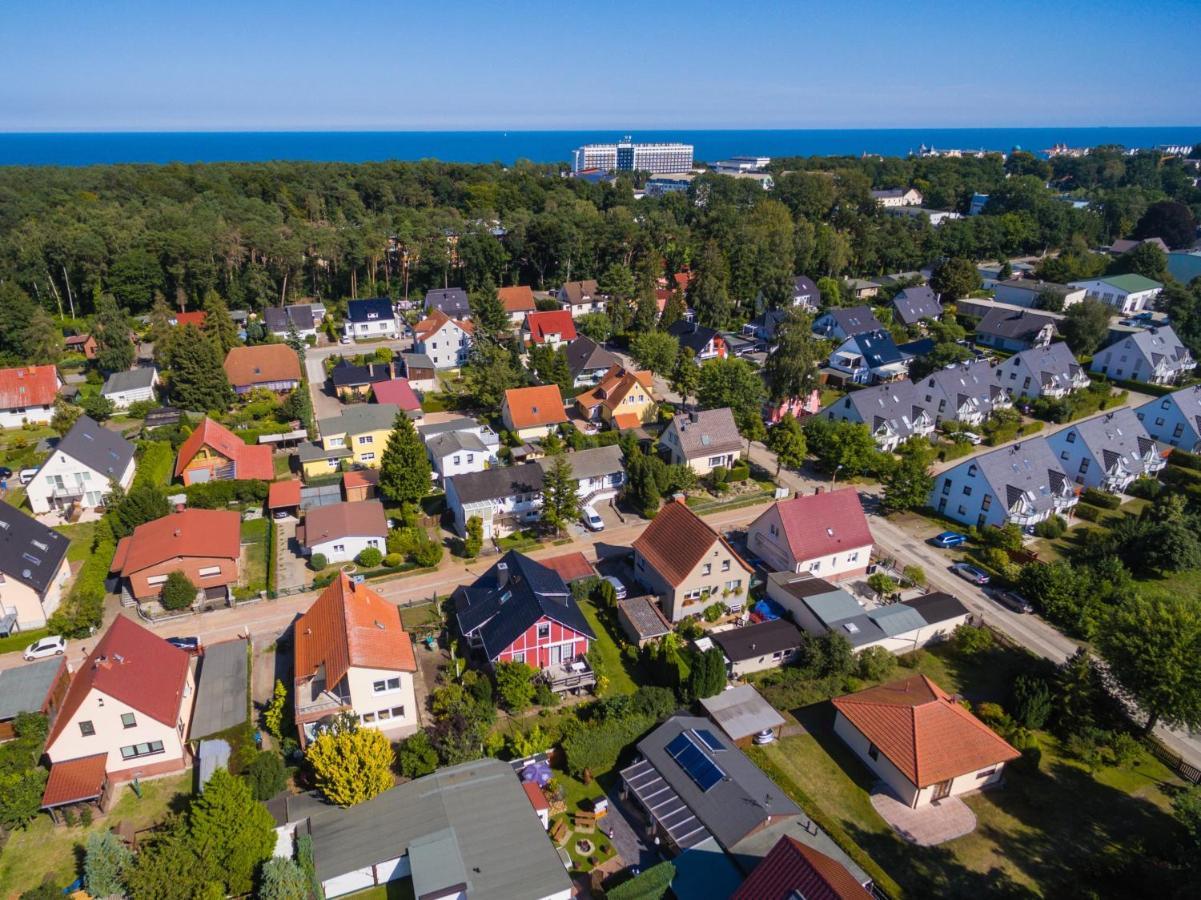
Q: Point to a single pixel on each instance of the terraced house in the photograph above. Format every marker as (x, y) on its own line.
(1108, 451)
(1175, 419)
(1152, 356)
(1041, 372)
(966, 393)
(892, 412)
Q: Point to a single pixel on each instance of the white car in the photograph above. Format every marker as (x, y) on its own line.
(47, 646)
(592, 519)
(619, 589)
(766, 736)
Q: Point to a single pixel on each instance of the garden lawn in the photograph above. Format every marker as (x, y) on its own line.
(523, 541)
(21, 639)
(418, 618)
(43, 850)
(254, 535)
(400, 889)
(81, 536)
(613, 665)
(576, 798)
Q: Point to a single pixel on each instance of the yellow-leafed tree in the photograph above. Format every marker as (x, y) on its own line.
(351, 764)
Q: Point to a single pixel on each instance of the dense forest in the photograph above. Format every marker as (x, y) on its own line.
(257, 234)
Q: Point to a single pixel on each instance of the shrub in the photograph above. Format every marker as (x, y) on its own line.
(713, 612)
(1101, 498)
(719, 475)
(317, 562)
(652, 884)
(178, 592)
(1052, 528)
(266, 774)
(394, 560)
(1031, 701)
(369, 557)
(739, 473)
(1088, 513)
(1147, 488)
(544, 696)
(875, 664)
(971, 640)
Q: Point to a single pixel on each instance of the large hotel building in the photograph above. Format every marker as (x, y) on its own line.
(658, 159)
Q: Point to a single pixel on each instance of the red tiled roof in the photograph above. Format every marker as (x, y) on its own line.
(626, 421)
(251, 463)
(792, 869)
(357, 478)
(396, 391)
(133, 665)
(518, 298)
(73, 780)
(433, 323)
(554, 321)
(532, 406)
(676, 540)
(190, 318)
(351, 625)
(923, 731)
(191, 533)
(28, 386)
(570, 566)
(77, 339)
(245, 366)
(282, 494)
(823, 524)
(537, 798)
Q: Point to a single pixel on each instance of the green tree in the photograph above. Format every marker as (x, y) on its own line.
(786, 439)
(1145, 259)
(655, 350)
(350, 764)
(1170, 221)
(875, 663)
(733, 382)
(846, 447)
(708, 674)
(617, 283)
(1153, 646)
(1078, 691)
(882, 584)
(416, 756)
(97, 407)
(560, 499)
(266, 775)
(144, 503)
(1085, 325)
(170, 867)
(298, 405)
(685, 374)
(21, 796)
(710, 288)
(595, 325)
(955, 278)
(43, 342)
(515, 685)
(197, 376)
(791, 369)
(642, 489)
(474, 542)
(550, 366)
(914, 575)
(944, 354)
(106, 860)
(277, 708)
(830, 290)
(283, 879)
(231, 830)
(606, 595)
(907, 484)
(218, 327)
(65, 416)
(178, 591)
(114, 348)
(673, 309)
(490, 372)
(1031, 701)
(404, 475)
(488, 312)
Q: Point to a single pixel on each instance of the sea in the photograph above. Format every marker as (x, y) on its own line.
(507, 147)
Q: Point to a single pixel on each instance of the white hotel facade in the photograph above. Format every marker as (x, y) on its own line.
(659, 159)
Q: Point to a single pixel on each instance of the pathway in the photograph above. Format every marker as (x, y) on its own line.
(926, 826)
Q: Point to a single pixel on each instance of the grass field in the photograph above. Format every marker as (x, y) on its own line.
(613, 665)
(81, 536)
(21, 639)
(254, 534)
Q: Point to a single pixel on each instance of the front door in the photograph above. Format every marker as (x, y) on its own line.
(942, 790)
(556, 654)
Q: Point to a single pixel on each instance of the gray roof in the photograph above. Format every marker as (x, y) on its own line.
(851, 320)
(586, 355)
(1115, 436)
(29, 551)
(360, 417)
(713, 431)
(741, 711)
(1158, 344)
(311, 451)
(936, 607)
(129, 380)
(1187, 400)
(447, 442)
(416, 361)
(834, 606)
(452, 301)
(896, 619)
(100, 449)
(472, 821)
(803, 285)
(895, 404)
(502, 481)
(913, 304)
(1053, 365)
(742, 802)
(221, 685)
(756, 640)
(278, 318)
(24, 688)
(1023, 325)
(961, 385)
(1028, 469)
(590, 463)
(458, 423)
(644, 614)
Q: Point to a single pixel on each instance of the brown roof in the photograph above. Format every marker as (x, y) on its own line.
(283, 494)
(537, 798)
(576, 291)
(28, 386)
(432, 324)
(357, 478)
(570, 566)
(262, 364)
(676, 540)
(792, 869)
(518, 298)
(531, 406)
(191, 533)
(614, 386)
(338, 520)
(251, 463)
(73, 780)
(351, 625)
(923, 731)
(823, 524)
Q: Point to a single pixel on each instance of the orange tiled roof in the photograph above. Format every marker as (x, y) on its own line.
(191, 533)
(351, 625)
(252, 463)
(28, 386)
(282, 494)
(73, 780)
(357, 478)
(555, 321)
(261, 364)
(190, 318)
(676, 540)
(614, 386)
(626, 421)
(518, 298)
(532, 406)
(570, 566)
(434, 322)
(923, 731)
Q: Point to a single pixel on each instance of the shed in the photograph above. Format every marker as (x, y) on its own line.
(642, 620)
(213, 755)
(283, 495)
(741, 712)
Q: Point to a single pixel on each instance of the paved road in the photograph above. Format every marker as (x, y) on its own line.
(325, 404)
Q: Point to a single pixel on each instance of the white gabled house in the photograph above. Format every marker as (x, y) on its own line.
(1128, 294)
(1174, 419)
(82, 468)
(892, 412)
(1108, 451)
(1153, 356)
(1042, 372)
(965, 392)
(133, 386)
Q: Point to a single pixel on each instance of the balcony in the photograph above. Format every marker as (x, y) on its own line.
(313, 700)
(573, 676)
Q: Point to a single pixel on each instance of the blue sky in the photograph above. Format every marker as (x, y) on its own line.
(302, 64)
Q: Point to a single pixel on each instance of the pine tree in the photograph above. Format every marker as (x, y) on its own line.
(43, 342)
(711, 288)
(283, 879)
(404, 475)
(296, 342)
(218, 326)
(488, 313)
(198, 381)
(227, 826)
(560, 499)
(673, 311)
(646, 311)
(106, 861)
(114, 349)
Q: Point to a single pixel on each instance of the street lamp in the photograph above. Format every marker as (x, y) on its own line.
(834, 477)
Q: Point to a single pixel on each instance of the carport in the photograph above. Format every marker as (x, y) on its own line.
(222, 689)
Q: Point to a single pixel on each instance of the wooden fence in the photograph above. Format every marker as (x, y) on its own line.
(1174, 762)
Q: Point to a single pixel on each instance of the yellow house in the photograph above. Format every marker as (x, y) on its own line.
(622, 399)
(359, 435)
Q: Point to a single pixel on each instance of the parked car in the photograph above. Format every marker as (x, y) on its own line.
(592, 519)
(47, 646)
(281, 514)
(971, 437)
(970, 573)
(948, 539)
(345, 339)
(6, 472)
(26, 475)
(187, 644)
(766, 736)
(1013, 601)
(618, 587)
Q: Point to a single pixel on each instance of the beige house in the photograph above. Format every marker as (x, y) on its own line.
(824, 534)
(703, 440)
(33, 571)
(688, 565)
(354, 656)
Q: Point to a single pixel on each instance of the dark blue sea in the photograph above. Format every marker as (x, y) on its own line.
(81, 149)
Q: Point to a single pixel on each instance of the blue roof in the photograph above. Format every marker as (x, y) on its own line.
(878, 349)
(370, 310)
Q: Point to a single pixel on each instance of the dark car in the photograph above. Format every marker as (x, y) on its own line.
(948, 539)
(1014, 602)
(6, 472)
(188, 644)
(971, 573)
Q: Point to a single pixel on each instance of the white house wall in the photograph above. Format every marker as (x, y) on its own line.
(364, 700)
(95, 484)
(905, 789)
(350, 547)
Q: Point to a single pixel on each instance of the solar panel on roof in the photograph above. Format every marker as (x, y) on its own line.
(689, 757)
(709, 739)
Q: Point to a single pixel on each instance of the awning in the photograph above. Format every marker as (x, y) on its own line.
(664, 805)
(75, 780)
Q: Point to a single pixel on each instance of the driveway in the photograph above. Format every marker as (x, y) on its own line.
(221, 689)
(291, 570)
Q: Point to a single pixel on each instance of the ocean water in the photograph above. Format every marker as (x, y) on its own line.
(81, 149)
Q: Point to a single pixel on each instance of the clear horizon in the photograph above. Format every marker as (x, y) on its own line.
(617, 131)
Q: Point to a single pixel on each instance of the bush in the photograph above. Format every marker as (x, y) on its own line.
(219, 494)
(1030, 701)
(740, 472)
(544, 696)
(266, 774)
(652, 884)
(713, 612)
(1088, 513)
(971, 640)
(1146, 488)
(1052, 528)
(875, 664)
(1102, 499)
(317, 562)
(178, 592)
(719, 475)
(369, 557)
(394, 560)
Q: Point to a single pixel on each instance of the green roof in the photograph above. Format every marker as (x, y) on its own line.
(1132, 283)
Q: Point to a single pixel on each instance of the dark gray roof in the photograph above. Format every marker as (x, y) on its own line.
(29, 551)
(347, 374)
(644, 614)
(498, 842)
(129, 380)
(374, 309)
(586, 355)
(311, 451)
(591, 463)
(739, 804)
(1027, 470)
(706, 431)
(877, 349)
(24, 688)
(913, 304)
(1053, 365)
(756, 640)
(690, 334)
(963, 384)
(221, 685)
(1113, 437)
(502, 481)
(452, 301)
(1023, 325)
(850, 321)
(416, 361)
(277, 318)
(936, 607)
(447, 442)
(359, 418)
(741, 711)
(98, 448)
(895, 404)
(802, 285)
(1156, 344)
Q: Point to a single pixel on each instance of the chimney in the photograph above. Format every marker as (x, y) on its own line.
(502, 574)
(694, 416)
(177, 532)
(680, 497)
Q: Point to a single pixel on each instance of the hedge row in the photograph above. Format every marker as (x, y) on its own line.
(1094, 497)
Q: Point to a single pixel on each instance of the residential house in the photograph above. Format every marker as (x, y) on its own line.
(794, 870)
(203, 544)
(464, 831)
(517, 300)
(1122, 246)
(1041, 372)
(420, 372)
(81, 469)
(821, 607)
(841, 323)
(446, 341)
(965, 392)
(764, 326)
(522, 611)
(753, 648)
(936, 217)
(913, 304)
(553, 328)
(688, 565)
(273, 367)
(353, 655)
(451, 302)
(33, 563)
(533, 412)
(1128, 294)
(582, 297)
(302, 317)
(397, 392)
(358, 435)
(892, 412)
(705, 343)
(213, 453)
(921, 741)
(1022, 483)
(1174, 419)
(125, 716)
(195, 319)
(1108, 451)
(1027, 292)
(870, 357)
(371, 319)
(27, 394)
(642, 620)
(82, 344)
(588, 361)
(860, 288)
(354, 382)
(1014, 331)
(1152, 356)
(823, 533)
(599, 472)
(741, 713)
(123, 389)
(341, 531)
(895, 197)
(36, 687)
(805, 293)
(452, 455)
(703, 440)
(622, 399)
